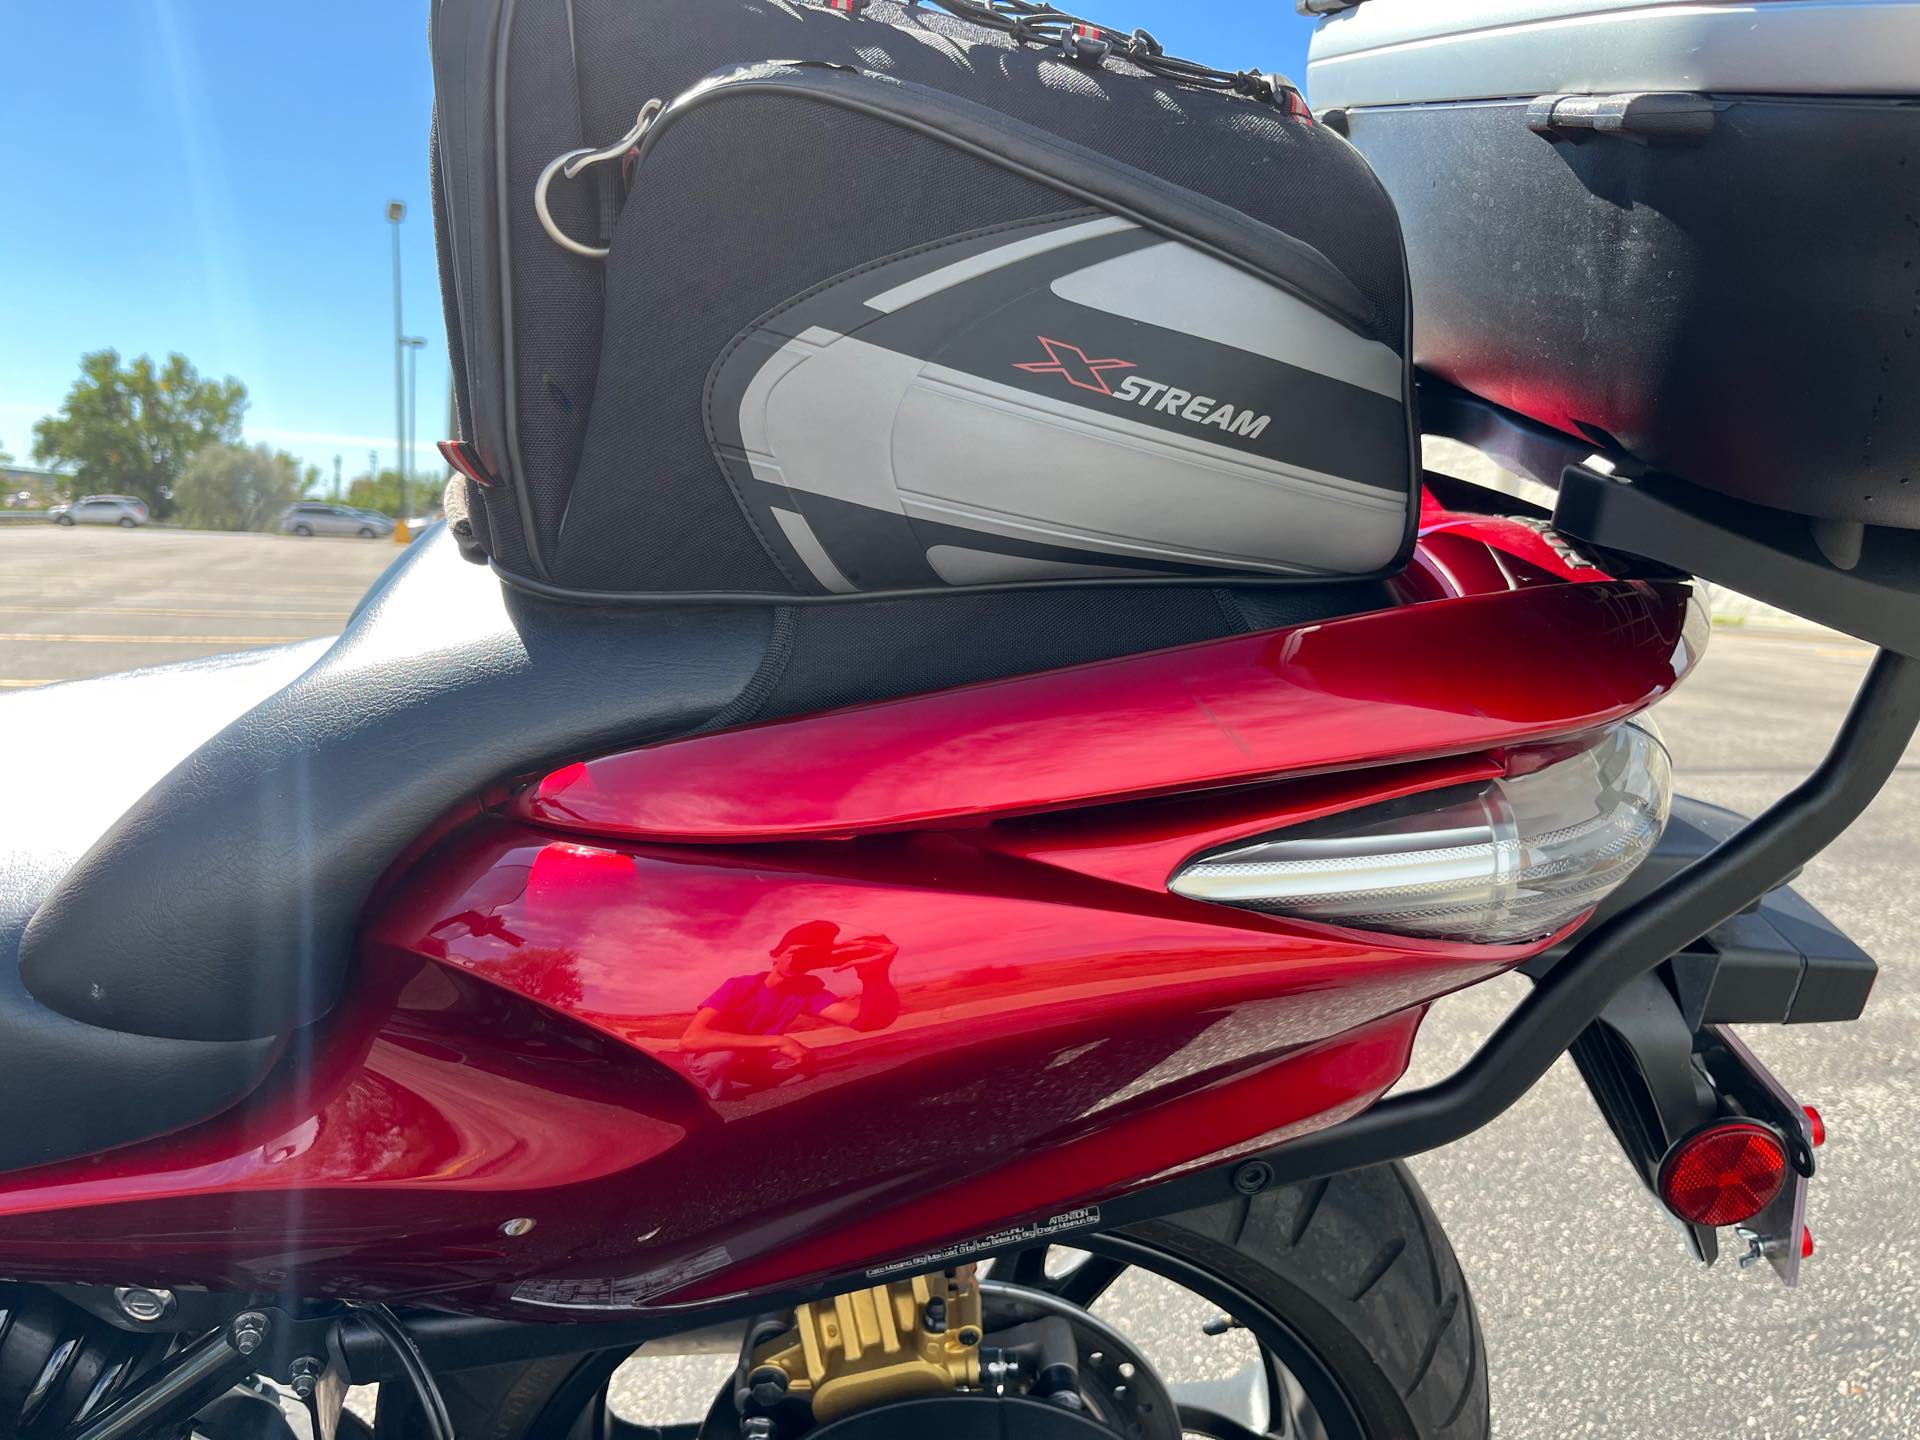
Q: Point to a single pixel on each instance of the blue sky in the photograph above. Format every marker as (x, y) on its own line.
(211, 176)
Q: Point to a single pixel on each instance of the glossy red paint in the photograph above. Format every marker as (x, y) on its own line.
(1471, 554)
(709, 1068)
(1325, 1085)
(1453, 676)
(381, 1156)
(533, 1051)
(434, 1110)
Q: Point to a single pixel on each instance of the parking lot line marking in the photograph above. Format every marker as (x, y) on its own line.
(326, 614)
(348, 590)
(22, 684)
(151, 639)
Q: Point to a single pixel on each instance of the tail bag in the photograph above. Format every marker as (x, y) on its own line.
(881, 299)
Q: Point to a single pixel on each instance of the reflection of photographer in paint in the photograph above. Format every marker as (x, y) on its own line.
(739, 1035)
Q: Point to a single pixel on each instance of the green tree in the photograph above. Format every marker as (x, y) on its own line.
(234, 487)
(380, 492)
(131, 429)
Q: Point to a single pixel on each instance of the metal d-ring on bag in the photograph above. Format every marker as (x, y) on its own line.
(570, 163)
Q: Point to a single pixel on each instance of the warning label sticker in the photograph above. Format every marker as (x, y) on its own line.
(1081, 1219)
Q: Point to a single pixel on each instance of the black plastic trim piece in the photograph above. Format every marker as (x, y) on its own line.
(1769, 554)
(1778, 962)
(1784, 964)
(1637, 1061)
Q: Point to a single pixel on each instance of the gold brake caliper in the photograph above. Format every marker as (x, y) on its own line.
(886, 1342)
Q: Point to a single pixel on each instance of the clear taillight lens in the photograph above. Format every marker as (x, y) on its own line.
(1495, 862)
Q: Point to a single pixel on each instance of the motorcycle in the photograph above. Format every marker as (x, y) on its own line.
(865, 941)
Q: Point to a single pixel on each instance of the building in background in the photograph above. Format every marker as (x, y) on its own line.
(27, 487)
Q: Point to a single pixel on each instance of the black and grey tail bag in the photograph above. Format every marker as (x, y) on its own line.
(785, 300)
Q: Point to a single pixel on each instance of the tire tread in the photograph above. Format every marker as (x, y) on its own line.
(1376, 1288)
(1316, 1192)
(1377, 1270)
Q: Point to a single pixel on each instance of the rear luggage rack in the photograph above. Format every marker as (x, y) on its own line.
(1864, 580)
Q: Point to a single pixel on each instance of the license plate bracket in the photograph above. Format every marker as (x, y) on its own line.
(1776, 1233)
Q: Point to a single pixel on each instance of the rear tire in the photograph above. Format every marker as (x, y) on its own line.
(1354, 1269)
(306, 531)
(1359, 1267)
(366, 532)
(127, 522)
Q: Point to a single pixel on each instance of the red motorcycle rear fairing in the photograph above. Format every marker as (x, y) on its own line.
(1226, 712)
(990, 1012)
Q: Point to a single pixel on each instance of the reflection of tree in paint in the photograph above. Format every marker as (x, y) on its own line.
(500, 888)
(377, 1126)
(741, 1039)
(547, 973)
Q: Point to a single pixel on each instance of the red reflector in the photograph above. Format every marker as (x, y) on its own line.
(1816, 1126)
(1806, 1243)
(1723, 1174)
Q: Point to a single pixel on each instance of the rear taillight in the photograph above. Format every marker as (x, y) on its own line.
(1724, 1174)
(1497, 862)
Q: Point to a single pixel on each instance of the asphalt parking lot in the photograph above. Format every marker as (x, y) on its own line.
(81, 601)
(1597, 1323)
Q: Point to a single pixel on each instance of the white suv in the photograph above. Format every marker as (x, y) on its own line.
(312, 518)
(126, 511)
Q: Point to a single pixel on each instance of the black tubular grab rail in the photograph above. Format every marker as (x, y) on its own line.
(1762, 855)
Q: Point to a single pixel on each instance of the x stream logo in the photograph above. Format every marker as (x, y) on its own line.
(1074, 365)
(1157, 397)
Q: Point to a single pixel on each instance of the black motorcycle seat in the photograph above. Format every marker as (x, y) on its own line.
(221, 905)
(73, 757)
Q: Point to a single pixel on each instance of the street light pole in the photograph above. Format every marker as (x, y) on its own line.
(415, 344)
(396, 212)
